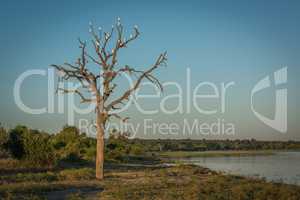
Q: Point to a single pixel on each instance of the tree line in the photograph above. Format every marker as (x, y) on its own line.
(39, 148)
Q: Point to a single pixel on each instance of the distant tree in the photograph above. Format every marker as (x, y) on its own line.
(3, 137)
(3, 142)
(16, 142)
(107, 69)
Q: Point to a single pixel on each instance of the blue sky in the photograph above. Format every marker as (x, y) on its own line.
(221, 41)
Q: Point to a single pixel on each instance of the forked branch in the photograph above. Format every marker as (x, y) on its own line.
(146, 74)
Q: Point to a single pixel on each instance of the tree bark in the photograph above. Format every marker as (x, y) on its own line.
(100, 153)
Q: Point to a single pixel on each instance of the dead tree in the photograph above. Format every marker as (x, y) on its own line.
(106, 46)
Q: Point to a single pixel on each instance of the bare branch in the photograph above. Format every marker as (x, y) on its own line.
(83, 98)
(118, 117)
(147, 74)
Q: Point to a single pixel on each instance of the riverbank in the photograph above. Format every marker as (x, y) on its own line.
(190, 154)
(130, 181)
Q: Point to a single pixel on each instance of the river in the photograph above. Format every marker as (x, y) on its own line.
(280, 167)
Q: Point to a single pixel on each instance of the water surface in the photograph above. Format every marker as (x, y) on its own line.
(280, 167)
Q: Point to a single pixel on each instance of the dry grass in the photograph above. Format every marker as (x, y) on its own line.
(165, 183)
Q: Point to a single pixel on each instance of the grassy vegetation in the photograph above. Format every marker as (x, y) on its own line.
(190, 154)
(165, 183)
(191, 182)
(48, 176)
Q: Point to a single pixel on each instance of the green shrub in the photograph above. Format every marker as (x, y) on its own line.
(136, 149)
(38, 149)
(116, 149)
(15, 141)
(3, 138)
(120, 148)
(90, 153)
(31, 146)
(70, 145)
(68, 134)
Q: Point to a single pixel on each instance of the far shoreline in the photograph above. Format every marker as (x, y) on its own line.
(219, 153)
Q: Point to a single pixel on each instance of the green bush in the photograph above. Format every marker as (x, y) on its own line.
(31, 146)
(15, 141)
(116, 149)
(120, 148)
(70, 145)
(38, 149)
(90, 153)
(3, 138)
(136, 149)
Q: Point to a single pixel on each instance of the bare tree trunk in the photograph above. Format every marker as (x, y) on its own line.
(100, 124)
(100, 152)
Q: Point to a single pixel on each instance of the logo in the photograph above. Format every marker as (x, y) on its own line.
(279, 122)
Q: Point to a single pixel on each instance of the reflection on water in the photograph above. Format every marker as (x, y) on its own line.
(281, 167)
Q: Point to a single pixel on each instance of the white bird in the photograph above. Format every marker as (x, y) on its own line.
(61, 73)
